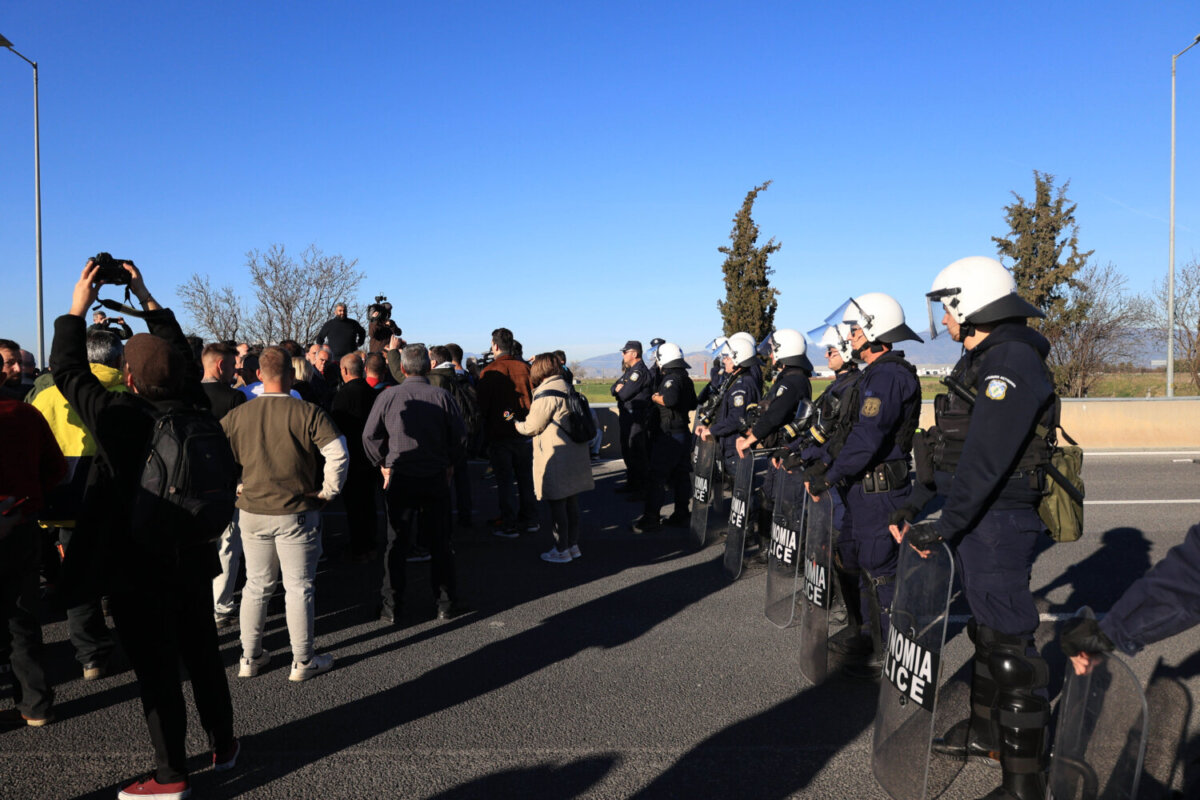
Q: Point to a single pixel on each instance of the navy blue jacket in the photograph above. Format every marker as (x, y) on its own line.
(679, 397)
(1163, 602)
(636, 387)
(790, 387)
(1012, 390)
(842, 382)
(727, 425)
(887, 391)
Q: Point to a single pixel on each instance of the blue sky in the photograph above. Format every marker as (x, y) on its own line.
(569, 169)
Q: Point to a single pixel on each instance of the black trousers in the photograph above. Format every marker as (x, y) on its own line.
(361, 516)
(427, 497)
(85, 621)
(19, 556)
(670, 466)
(634, 448)
(161, 625)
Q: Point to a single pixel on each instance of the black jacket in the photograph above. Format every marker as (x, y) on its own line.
(344, 335)
(103, 555)
(222, 398)
(350, 408)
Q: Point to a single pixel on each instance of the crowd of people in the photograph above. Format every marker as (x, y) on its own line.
(291, 426)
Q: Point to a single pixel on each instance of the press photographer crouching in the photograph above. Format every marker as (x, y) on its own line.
(160, 587)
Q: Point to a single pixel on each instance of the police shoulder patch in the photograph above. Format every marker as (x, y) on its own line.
(782, 388)
(871, 406)
(668, 384)
(739, 400)
(996, 389)
(634, 376)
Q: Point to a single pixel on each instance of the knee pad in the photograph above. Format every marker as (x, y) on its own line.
(1016, 671)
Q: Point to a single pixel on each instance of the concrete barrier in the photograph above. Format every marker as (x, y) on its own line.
(1120, 423)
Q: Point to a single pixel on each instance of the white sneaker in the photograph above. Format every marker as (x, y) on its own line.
(249, 667)
(555, 556)
(316, 666)
(575, 551)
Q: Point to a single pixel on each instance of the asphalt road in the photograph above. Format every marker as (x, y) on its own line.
(636, 671)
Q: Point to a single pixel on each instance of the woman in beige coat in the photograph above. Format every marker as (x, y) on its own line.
(562, 468)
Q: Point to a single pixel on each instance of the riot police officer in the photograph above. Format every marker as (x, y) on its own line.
(989, 447)
(871, 456)
(674, 398)
(788, 352)
(632, 391)
(740, 391)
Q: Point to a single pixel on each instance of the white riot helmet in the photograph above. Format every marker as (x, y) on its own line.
(668, 354)
(788, 346)
(740, 347)
(976, 290)
(879, 316)
(836, 337)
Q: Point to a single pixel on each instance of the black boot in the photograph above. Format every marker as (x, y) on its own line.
(976, 738)
(1022, 717)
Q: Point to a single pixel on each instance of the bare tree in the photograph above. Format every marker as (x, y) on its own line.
(296, 298)
(1187, 317)
(578, 369)
(1102, 333)
(216, 314)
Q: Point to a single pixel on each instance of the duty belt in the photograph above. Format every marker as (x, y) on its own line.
(885, 477)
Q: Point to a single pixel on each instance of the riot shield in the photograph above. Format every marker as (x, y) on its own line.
(704, 457)
(1101, 732)
(909, 688)
(786, 549)
(740, 515)
(818, 588)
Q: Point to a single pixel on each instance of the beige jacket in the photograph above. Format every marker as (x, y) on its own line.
(561, 467)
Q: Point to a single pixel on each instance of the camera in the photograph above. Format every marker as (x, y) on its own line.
(110, 270)
(379, 316)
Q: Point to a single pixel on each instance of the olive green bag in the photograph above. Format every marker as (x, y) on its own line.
(1061, 507)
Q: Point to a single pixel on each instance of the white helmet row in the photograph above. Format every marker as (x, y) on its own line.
(788, 346)
(740, 347)
(835, 336)
(975, 290)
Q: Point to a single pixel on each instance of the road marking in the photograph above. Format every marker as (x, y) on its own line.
(1137, 502)
(1093, 454)
(961, 619)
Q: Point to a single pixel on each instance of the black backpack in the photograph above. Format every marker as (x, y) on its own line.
(189, 481)
(578, 425)
(468, 405)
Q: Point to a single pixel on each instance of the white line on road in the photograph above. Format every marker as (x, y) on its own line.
(1093, 454)
(1137, 502)
(961, 619)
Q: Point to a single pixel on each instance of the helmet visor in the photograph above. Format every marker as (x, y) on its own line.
(767, 346)
(852, 314)
(720, 347)
(934, 301)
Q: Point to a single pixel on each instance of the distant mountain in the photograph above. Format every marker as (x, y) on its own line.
(609, 365)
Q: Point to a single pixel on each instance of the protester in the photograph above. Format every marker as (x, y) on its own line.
(277, 440)
(161, 594)
(350, 410)
(415, 435)
(117, 325)
(504, 395)
(343, 334)
(10, 370)
(562, 469)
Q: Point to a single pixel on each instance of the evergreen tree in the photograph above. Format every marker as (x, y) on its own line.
(750, 302)
(1043, 245)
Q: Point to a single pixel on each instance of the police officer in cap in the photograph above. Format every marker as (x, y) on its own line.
(988, 447)
(740, 391)
(670, 464)
(632, 391)
(871, 457)
(791, 387)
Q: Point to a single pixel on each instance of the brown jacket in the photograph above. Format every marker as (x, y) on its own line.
(561, 467)
(503, 386)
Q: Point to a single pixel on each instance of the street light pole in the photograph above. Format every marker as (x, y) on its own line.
(37, 201)
(1171, 269)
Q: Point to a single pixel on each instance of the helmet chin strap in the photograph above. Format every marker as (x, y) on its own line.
(872, 347)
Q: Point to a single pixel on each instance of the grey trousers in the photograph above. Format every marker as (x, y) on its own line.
(288, 544)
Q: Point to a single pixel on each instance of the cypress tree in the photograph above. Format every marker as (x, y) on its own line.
(749, 303)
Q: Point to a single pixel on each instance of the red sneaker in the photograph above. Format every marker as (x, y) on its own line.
(225, 759)
(150, 787)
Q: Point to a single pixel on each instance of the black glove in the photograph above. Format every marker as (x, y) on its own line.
(792, 460)
(815, 472)
(1082, 635)
(923, 535)
(902, 516)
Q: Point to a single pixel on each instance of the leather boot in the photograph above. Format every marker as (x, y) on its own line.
(1021, 716)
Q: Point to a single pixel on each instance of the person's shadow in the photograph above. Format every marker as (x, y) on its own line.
(1101, 578)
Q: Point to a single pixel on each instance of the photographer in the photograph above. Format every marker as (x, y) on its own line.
(117, 325)
(161, 596)
(380, 326)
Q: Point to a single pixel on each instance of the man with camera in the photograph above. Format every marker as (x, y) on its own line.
(380, 325)
(161, 592)
(102, 322)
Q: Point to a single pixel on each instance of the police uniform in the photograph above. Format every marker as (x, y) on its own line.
(790, 388)
(742, 391)
(633, 404)
(871, 458)
(670, 451)
(987, 456)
